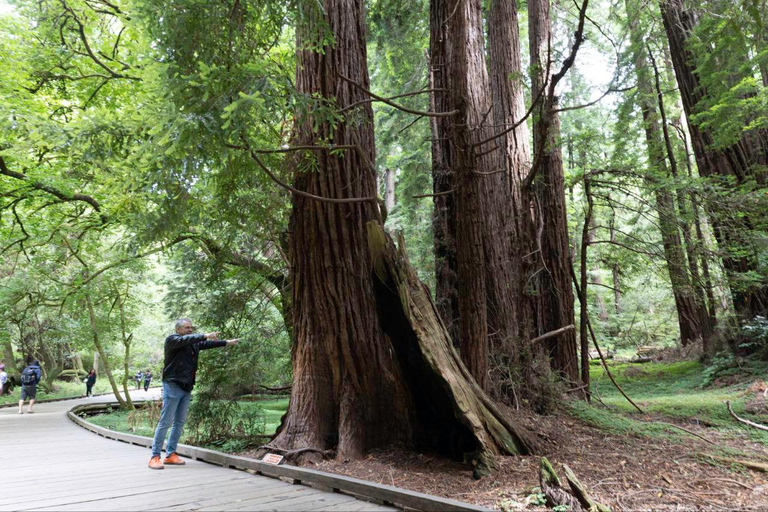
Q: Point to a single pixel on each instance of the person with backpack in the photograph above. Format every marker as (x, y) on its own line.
(3, 379)
(89, 382)
(147, 379)
(30, 377)
(139, 377)
(181, 351)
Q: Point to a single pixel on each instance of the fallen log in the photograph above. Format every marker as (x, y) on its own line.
(581, 493)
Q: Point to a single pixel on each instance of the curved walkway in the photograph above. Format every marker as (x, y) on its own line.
(49, 463)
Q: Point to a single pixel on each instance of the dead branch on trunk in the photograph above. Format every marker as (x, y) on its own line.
(742, 420)
(552, 333)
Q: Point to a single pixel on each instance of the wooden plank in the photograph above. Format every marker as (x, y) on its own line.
(271, 500)
(305, 502)
(177, 484)
(357, 505)
(161, 499)
(152, 500)
(231, 500)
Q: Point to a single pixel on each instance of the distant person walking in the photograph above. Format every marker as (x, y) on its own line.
(147, 379)
(139, 377)
(30, 377)
(179, 370)
(89, 382)
(3, 379)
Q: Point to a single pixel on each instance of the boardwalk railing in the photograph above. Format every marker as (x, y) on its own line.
(368, 491)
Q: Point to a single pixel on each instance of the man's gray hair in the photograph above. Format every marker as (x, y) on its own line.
(180, 322)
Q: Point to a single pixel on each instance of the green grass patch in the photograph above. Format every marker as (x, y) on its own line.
(143, 424)
(684, 390)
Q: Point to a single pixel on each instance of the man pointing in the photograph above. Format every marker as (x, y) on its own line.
(181, 352)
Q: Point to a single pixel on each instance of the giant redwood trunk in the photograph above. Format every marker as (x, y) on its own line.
(514, 155)
(372, 363)
(486, 304)
(554, 276)
(688, 312)
(444, 213)
(742, 162)
(518, 356)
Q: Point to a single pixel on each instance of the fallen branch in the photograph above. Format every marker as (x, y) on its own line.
(742, 420)
(686, 430)
(707, 480)
(756, 466)
(283, 388)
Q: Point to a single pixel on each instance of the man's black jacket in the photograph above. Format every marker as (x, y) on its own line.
(181, 358)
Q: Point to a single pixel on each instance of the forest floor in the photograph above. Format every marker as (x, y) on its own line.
(628, 461)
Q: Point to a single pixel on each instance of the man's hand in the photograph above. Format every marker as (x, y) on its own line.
(213, 336)
(233, 341)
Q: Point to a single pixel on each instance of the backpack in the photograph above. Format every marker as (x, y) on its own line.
(28, 377)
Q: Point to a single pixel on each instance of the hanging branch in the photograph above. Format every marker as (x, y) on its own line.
(47, 188)
(307, 194)
(395, 105)
(550, 334)
(404, 95)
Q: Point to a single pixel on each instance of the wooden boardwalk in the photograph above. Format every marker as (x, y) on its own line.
(49, 463)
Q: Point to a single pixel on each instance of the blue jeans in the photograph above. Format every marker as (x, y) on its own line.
(173, 416)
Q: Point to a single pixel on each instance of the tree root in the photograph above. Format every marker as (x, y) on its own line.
(292, 455)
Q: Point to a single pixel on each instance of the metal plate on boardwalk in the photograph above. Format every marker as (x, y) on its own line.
(272, 458)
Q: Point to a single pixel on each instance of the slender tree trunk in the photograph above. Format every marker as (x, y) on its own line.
(96, 361)
(687, 311)
(554, 274)
(8, 358)
(127, 344)
(79, 364)
(616, 273)
(742, 162)
(372, 364)
(100, 349)
(701, 244)
(682, 204)
(444, 214)
(583, 327)
(389, 191)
